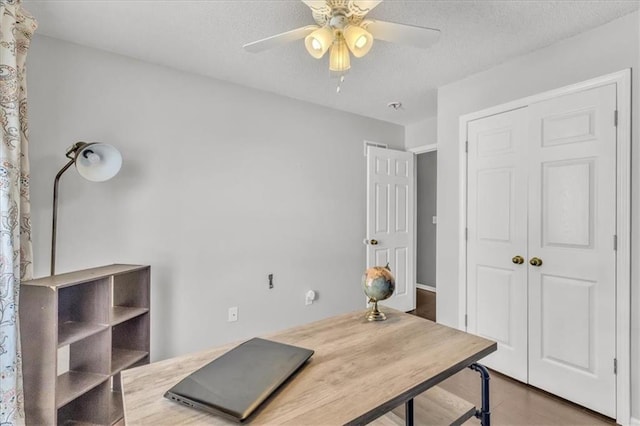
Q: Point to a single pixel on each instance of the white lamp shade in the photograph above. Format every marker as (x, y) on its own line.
(358, 40)
(319, 41)
(339, 58)
(98, 162)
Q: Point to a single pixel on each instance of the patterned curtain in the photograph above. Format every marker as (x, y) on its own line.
(16, 29)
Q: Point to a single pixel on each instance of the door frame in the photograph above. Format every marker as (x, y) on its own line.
(622, 80)
(424, 148)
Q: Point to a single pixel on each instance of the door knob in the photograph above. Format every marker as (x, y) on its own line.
(535, 261)
(373, 242)
(518, 260)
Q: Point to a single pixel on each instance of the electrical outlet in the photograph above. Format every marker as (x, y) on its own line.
(233, 314)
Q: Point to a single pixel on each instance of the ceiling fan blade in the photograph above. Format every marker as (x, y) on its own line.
(320, 10)
(402, 33)
(279, 39)
(320, 5)
(361, 7)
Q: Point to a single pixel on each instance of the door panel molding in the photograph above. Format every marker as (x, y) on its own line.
(560, 227)
(622, 81)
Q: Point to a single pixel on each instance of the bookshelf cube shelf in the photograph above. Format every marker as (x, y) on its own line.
(100, 317)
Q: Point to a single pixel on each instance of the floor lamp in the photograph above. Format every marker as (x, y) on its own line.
(95, 162)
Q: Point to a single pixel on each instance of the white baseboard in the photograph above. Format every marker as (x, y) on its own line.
(634, 422)
(426, 287)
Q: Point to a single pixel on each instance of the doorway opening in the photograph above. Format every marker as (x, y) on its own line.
(426, 224)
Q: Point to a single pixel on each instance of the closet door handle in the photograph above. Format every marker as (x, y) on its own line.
(535, 261)
(518, 260)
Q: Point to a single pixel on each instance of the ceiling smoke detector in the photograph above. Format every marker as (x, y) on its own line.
(396, 105)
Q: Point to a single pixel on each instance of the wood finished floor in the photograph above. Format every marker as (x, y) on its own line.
(512, 402)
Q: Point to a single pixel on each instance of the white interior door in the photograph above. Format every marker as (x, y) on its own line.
(497, 232)
(542, 185)
(390, 220)
(572, 214)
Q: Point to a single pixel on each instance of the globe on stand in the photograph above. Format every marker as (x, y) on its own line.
(378, 284)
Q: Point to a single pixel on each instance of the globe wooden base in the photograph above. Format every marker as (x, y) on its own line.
(374, 314)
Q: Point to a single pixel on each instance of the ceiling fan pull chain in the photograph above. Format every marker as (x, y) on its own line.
(340, 83)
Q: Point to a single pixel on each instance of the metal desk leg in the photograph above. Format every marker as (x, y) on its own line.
(408, 413)
(484, 414)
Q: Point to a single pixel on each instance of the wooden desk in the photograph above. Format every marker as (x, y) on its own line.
(360, 370)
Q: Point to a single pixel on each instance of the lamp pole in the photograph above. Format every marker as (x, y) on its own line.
(72, 159)
(55, 215)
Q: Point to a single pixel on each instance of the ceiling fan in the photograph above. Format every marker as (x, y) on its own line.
(342, 29)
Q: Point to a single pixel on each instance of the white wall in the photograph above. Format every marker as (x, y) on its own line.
(606, 49)
(221, 185)
(421, 133)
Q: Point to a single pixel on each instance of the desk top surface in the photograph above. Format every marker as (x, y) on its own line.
(360, 370)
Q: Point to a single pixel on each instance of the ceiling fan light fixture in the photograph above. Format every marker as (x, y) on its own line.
(342, 27)
(358, 40)
(319, 41)
(339, 60)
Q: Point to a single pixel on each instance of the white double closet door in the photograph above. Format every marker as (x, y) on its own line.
(542, 185)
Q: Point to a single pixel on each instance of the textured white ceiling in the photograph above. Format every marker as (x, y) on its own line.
(206, 37)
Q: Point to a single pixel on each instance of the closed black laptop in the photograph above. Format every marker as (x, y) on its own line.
(236, 383)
